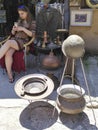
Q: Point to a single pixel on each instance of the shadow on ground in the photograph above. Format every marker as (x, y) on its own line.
(38, 116)
(76, 122)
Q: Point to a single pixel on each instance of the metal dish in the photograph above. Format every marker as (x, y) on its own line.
(34, 86)
(20, 87)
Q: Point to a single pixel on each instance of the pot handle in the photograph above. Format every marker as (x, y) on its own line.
(58, 91)
(22, 92)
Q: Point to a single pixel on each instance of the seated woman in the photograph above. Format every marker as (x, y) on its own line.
(21, 33)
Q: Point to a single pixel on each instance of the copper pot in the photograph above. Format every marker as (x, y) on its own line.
(51, 61)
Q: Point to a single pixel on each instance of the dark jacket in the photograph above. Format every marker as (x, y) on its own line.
(48, 20)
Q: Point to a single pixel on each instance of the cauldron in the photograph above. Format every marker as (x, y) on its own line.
(70, 99)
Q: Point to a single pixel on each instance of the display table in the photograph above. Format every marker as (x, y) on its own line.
(54, 74)
(40, 50)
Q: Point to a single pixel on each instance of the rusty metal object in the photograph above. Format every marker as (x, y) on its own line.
(51, 61)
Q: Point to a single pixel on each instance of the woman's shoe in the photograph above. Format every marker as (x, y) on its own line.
(12, 79)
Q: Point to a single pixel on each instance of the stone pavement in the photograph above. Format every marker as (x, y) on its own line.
(19, 114)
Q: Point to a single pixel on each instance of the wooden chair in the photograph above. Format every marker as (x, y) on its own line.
(18, 55)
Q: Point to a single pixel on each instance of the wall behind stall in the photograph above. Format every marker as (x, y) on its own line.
(89, 34)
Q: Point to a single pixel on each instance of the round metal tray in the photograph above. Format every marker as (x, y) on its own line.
(42, 93)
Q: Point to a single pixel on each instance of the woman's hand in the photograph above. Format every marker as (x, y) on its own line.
(14, 29)
(29, 33)
(19, 28)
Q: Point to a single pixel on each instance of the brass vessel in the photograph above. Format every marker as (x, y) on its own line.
(51, 61)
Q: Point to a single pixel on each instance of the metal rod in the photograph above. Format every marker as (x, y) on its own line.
(88, 89)
(60, 84)
(72, 76)
(63, 72)
(73, 63)
(25, 58)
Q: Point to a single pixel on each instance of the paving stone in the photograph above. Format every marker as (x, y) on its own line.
(16, 114)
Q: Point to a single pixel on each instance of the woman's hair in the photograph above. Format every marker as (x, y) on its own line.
(25, 9)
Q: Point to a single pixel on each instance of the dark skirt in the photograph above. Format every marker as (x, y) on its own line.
(20, 42)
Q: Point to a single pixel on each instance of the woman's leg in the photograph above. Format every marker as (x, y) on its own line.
(9, 44)
(9, 61)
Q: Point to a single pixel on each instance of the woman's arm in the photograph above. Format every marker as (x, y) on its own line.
(28, 32)
(13, 30)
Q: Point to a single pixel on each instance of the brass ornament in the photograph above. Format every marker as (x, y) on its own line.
(92, 4)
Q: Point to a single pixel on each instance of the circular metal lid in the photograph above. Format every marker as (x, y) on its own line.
(42, 93)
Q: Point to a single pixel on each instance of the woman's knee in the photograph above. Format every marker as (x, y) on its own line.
(8, 43)
(12, 44)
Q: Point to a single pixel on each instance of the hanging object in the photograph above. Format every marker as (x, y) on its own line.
(73, 46)
(71, 99)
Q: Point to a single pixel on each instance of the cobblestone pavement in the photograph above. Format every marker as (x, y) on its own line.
(19, 114)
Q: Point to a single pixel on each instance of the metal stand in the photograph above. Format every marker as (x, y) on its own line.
(88, 89)
(84, 75)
